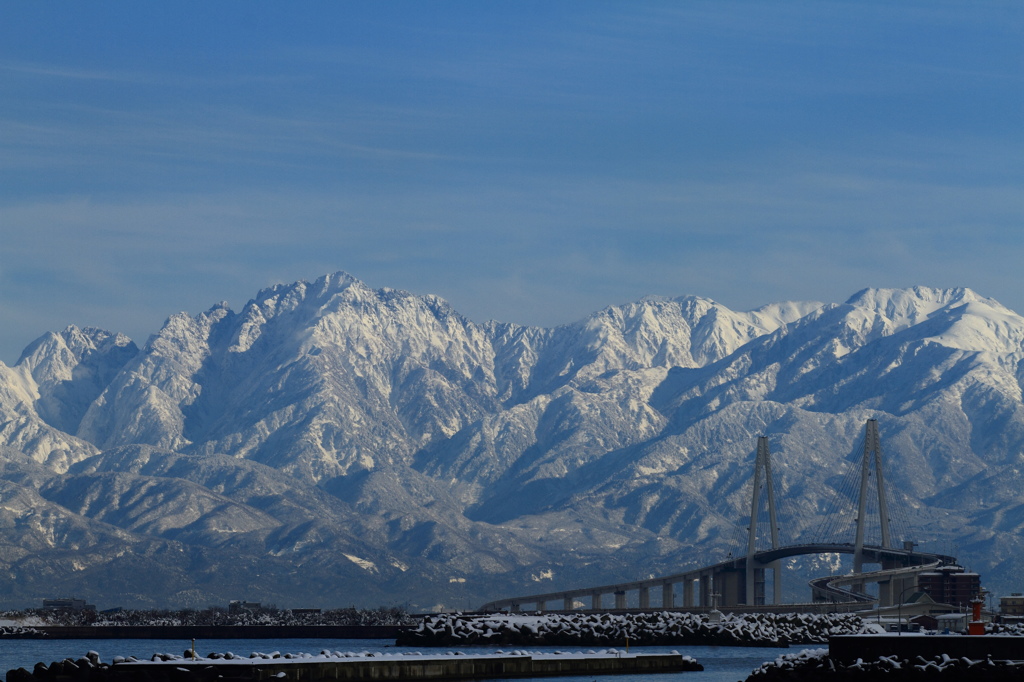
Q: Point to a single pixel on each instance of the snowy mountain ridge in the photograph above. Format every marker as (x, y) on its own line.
(331, 441)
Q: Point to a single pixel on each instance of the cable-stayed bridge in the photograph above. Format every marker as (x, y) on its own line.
(741, 581)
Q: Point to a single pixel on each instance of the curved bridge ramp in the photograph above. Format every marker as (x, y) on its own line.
(892, 583)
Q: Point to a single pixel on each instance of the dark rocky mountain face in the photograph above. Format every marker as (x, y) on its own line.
(330, 444)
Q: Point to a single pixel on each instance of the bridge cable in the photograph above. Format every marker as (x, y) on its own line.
(840, 518)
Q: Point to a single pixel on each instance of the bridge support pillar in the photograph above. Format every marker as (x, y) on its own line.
(886, 592)
(595, 601)
(896, 589)
(688, 592)
(904, 587)
(706, 588)
(756, 589)
(620, 599)
(727, 586)
(645, 597)
(567, 603)
(756, 574)
(514, 608)
(668, 597)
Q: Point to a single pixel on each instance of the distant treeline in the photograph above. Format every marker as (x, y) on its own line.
(262, 615)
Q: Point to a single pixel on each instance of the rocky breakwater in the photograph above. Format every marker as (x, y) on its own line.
(813, 665)
(641, 629)
(85, 668)
(355, 667)
(20, 632)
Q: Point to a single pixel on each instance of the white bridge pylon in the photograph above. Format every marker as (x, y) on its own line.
(755, 583)
(738, 582)
(872, 455)
(871, 464)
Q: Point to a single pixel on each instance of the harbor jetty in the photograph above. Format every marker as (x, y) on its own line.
(355, 667)
(911, 645)
(906, 657)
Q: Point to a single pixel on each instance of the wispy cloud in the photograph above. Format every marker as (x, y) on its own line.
(64, 72)
(530, 166)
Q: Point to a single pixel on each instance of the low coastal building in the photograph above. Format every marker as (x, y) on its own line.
(240, 605)
(67, 604)
(1012, 605)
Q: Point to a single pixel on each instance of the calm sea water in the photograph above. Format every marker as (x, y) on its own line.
(721, 664)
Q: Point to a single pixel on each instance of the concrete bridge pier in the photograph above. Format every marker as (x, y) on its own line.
(729, 586)
(668, 597)
(885, 592)
(896, 589)
(567, 603)
(620, 599)
(819, 595)
(892, 591)
(645, 597)
(595, 601)
(688, 592)
(756, 592)
(706, 588)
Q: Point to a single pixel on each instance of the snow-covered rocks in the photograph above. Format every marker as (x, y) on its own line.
(652, 629)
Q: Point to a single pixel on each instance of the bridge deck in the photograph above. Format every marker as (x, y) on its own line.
(904, 561)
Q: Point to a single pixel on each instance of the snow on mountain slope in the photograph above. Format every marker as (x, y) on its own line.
(143, 404)
(141, 505)
(467, 461)
(350, 375)
(907, 307)
(939, 371)
(71, 369)
(28, 403)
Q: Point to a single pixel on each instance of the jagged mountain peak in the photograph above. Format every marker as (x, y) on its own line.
(185, 335)
(907, 307)
(326, 296)
(957, 318)
(287, 297)
(686, 331)
(976, 326)
(68, 347)
(71, 368)
(618, 441)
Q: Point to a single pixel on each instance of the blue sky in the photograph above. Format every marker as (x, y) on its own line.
(528, 161)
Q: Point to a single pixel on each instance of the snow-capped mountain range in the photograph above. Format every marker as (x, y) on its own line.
(330, 444)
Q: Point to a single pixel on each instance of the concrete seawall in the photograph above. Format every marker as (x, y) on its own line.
(359, 668)
(848, 648)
